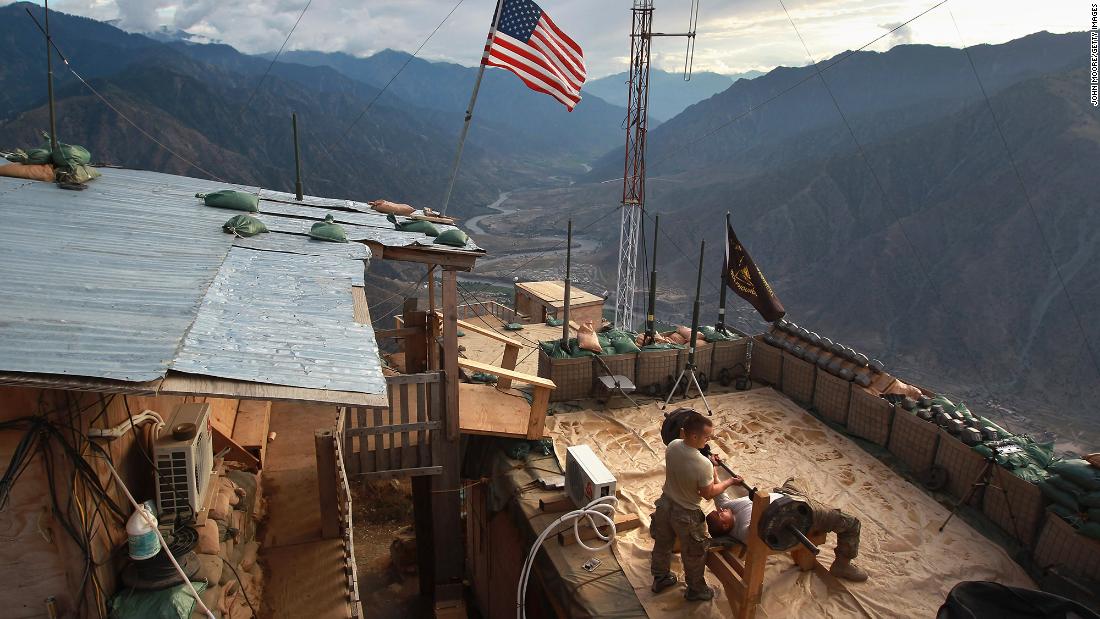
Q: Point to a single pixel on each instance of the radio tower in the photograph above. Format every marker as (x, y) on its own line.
(637, 123)
(637, 120)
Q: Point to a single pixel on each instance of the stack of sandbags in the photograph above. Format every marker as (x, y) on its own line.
(227, 543)
(1074, 490)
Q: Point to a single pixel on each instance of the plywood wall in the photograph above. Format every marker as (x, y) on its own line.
(37, 557)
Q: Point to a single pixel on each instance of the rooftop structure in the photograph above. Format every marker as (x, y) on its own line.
(538, 301)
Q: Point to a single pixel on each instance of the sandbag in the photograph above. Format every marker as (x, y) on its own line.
(1091, 499)
(34, 156)
(244, 225)
(1079, 472)
(711, 334)
(1067, 514)
(624, 345)
(391, 208)
(172, 603)
(1094, 514)
(1090, 529)
(1059, 496)
(587, 340)
(453, 237)
(413, 225)
(554, 322)
(231, 199)
(208, 538)
(77, 174)
(71, 155)
(513, 326)
(328, 230)
(33, 172)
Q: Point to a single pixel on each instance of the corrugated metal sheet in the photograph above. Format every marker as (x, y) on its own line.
(106, 282)
(102, 282)
(284, 319)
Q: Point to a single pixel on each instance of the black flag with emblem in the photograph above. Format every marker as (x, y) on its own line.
(744, 278)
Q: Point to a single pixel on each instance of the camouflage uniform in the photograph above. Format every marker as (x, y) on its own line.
(828, 520)
(672, 521)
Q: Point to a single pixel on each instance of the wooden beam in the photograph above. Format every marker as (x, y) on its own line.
(450, 259)
(404, 332)
(220, 442)
(180, 383)
(487, 332)
(534, 381)
(360, 309)
(450, 351)
(326, 484)
(508, 362)
(623, 522)
(433, 350)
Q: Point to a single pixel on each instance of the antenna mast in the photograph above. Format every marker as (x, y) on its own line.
(637, 123)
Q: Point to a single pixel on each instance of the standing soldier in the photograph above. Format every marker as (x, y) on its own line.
(690, 478)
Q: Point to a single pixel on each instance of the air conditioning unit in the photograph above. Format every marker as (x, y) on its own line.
(184, 464)
(586, 477)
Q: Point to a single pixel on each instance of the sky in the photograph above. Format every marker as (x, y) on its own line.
(733, 36)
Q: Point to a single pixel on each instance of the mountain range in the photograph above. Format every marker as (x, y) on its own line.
(669, 92)
(228, 114)
(892, 206)
(902, 224)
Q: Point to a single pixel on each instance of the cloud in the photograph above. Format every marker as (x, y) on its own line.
(732, 37)
(900, 36)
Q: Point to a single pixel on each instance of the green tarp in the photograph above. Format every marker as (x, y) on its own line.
(173, 603)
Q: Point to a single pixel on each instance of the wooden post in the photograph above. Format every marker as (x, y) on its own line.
(433, 330)
(422, 523)
(416, 347)
(326, 484)
(446, 504)
(450, 351)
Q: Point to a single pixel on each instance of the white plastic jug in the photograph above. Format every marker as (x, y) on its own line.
(141, 529)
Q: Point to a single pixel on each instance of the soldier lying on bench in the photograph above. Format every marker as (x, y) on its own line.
(732, 518)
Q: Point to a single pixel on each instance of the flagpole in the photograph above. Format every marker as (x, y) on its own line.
(721, 326)
(470, 107)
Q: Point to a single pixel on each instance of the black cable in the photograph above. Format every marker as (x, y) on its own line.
(779, 94)
(886, 200)
(370, 104)
(241, 584)
(276, 57)
(1027, 200)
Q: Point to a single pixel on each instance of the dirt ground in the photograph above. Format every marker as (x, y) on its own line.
(382, 509)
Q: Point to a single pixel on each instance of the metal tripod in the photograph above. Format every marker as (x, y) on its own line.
(985, 480)
(690, 367)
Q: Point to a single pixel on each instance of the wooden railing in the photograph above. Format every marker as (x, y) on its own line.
(481, 308)
(395, 440)
(334, 492)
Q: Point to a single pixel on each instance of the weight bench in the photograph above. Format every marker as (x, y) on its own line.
(740, 566)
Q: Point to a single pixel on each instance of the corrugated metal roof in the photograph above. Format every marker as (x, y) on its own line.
(284, 319)
(102, 282)
(106, 282)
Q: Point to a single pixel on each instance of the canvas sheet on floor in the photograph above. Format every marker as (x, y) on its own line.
(766, 438)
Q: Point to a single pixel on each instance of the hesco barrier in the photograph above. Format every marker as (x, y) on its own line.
(1060, 546)
(656, 366)
(728, 355)
(962, 464)
(913, 440)
(1025, 501)
(798, 379)
(831, 397)
(573, 376)
(766, 363)
(870, 416)
(622, 365)
(703, 360)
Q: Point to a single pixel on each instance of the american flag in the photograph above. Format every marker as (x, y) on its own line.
(529, 44)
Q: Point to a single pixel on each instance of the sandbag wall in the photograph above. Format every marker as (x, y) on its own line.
(943, 445)
(228, 538)
(651, 371)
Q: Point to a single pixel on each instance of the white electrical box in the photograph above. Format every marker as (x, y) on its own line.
(184, 465)
(586, 477)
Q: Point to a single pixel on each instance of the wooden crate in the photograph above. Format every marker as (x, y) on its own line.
(766, 363)
(962, 464)
(1060, 546)
(914, 441)
(573, 376)
(870, 416)
(732, 355)
(831, 397)
(1025, 500)
(655, 367)
(798, 379)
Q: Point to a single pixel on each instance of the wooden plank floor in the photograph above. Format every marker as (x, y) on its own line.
(305, 575)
